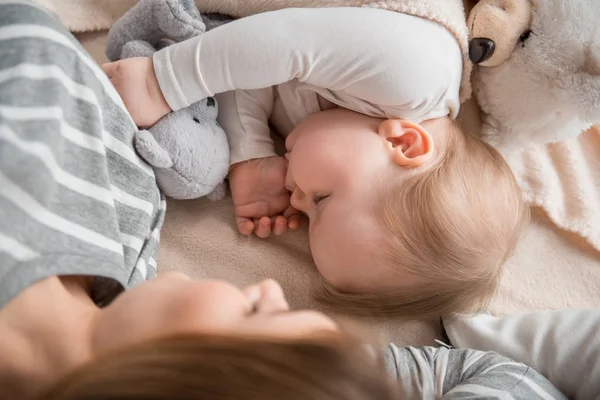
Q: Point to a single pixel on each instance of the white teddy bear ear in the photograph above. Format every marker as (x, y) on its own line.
(592, 62)
(590, 90)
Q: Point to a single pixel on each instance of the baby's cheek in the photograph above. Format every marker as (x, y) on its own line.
(320, 256)
(326, 258)
(304, 173)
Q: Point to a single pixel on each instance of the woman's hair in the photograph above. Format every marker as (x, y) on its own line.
(450, 228)
(228, 368)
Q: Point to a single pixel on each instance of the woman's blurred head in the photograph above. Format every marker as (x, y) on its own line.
(176, 338)
(213, 367)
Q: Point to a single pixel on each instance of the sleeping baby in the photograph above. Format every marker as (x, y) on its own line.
(408, 215)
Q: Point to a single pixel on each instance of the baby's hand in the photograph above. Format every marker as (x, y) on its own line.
(260, 200)
(135, 80)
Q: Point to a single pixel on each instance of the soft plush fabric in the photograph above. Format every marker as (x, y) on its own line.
(551, 269)
(562, 345)
(563, 178)
(187, 149)
(545, 89)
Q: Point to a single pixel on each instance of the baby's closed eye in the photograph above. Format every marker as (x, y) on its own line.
(318, 198)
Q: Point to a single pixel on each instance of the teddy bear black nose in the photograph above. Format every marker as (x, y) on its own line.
(481, 49)
(210, 102)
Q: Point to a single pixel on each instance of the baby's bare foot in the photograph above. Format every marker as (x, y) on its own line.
(261, 202)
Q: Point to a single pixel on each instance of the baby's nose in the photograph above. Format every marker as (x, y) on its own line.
(290, 185)
(297, 199)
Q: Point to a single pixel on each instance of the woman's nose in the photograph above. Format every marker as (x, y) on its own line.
(267, 297)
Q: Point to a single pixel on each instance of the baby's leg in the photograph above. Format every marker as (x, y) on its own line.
(257, 174)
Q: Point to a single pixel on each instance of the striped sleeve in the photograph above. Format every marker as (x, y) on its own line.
(451, 374)
(74, 196)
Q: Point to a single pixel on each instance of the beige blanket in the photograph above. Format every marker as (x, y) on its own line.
(551, 269)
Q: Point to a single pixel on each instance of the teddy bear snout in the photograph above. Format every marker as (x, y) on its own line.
(481, 50)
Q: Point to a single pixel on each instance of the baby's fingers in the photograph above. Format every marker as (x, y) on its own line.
(293, 218)
(294, 222)
(245, 226)
(110, 69)
(263, 227)
(280, 225)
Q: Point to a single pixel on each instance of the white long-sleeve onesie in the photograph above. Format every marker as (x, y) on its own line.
(279, 67)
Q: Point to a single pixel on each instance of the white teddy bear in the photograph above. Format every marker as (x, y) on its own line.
(538, 69)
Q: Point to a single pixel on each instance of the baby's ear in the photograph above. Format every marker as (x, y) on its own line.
(410, 144)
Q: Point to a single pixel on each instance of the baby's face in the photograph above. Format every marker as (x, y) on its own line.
(338, 162)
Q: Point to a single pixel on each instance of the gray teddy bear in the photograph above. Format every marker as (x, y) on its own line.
(187, 149)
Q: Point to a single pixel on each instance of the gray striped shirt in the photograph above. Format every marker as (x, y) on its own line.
(74, 197)
(452, 374)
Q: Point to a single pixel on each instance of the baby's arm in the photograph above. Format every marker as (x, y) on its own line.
(402, 66)
(257, 175)
(386, 63)
(244, 115)
(441, 373)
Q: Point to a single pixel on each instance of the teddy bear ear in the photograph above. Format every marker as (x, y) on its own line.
(592, 59)
(591, 80)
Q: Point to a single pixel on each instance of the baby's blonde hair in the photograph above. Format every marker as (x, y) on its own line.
(451, 228)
